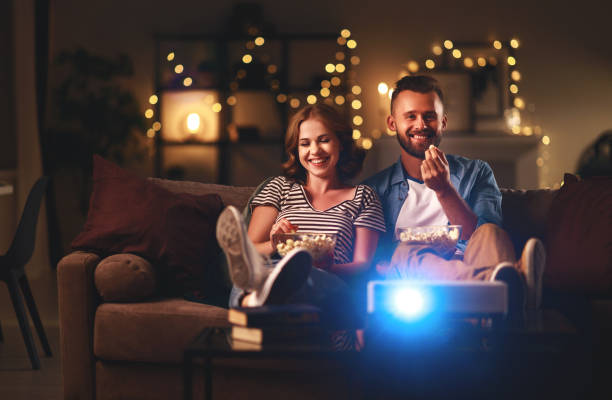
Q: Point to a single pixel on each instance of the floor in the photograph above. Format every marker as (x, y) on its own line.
(17, 379)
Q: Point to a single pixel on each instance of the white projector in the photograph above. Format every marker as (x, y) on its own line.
(414, 299)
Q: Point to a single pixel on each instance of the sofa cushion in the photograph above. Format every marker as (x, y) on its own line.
(174, 231)
(525, 213)
(153, 331)
(578, 242)
(125, 277)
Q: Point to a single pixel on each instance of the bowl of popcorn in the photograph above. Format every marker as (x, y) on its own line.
(320, 245)
(441, 238)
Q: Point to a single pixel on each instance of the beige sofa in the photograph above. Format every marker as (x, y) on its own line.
(133, 350)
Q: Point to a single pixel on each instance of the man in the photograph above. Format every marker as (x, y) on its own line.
(427, 187)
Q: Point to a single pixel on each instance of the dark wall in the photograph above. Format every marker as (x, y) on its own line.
(8, 139)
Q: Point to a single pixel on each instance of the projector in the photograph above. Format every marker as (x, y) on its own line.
(411, 300)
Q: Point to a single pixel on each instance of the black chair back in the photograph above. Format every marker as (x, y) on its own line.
(22, 247)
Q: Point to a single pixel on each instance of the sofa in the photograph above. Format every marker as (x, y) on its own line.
(121, 345)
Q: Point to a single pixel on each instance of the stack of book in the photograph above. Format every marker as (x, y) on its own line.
(290, 324)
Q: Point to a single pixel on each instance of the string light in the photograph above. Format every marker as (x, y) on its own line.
(170, 56)
(187, 82)
(339, 100)
(497, 44)
(356, 89)
(355, 60)
(430, 64)
(345, 33)
(514, 43)
(247, 58)
(356, 104)
(330, 68)
(178, 68)
(153, 99)
(217, 107)
(383, 88)
(259, 41)
(340, 68)
(149, 113)
(437, 50)
(448, 44)
(311, 99)
(351, 44)
(356, 134)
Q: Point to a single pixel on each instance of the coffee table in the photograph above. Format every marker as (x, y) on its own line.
(538, 352)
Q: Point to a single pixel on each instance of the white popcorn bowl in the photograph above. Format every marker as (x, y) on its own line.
(320, 245)
(441, 238)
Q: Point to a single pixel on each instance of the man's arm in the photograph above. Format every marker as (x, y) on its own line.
(436, 175)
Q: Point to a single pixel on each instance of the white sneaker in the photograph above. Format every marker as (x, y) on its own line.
(288, 276)
(532, 263)
(244, 262)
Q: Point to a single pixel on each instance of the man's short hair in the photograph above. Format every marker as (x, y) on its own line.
(419, 84)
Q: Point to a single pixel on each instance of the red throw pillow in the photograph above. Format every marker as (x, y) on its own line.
(174, 231)
(578, 239)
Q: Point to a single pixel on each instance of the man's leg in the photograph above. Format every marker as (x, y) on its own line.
(488, 246)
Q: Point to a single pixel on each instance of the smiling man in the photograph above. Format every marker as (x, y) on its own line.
(427, 187)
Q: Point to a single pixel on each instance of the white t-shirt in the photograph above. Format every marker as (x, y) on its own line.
(420, 208)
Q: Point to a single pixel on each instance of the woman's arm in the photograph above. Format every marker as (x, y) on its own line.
(363, 253)
(259, 229)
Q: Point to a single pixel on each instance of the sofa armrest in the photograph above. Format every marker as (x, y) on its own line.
(78, 299)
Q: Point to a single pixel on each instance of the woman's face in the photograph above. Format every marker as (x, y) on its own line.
(318, 149)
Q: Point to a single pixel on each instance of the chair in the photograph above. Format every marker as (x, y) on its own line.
(13, 273)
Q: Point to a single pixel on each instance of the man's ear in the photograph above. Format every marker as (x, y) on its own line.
(391, 123)
(444, 121)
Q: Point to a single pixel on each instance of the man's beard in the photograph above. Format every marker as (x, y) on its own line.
(404, 141)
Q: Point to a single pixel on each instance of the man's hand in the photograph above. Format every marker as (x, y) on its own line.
(435, 171)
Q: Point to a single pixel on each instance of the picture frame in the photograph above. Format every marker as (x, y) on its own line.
(489, 82)
(456, 86)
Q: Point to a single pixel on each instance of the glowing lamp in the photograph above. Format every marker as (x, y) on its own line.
(193, 123)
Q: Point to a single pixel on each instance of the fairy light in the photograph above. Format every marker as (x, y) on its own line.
(150, 133)
(178, 68)
(281, 98)
(259, 41)
(511, 60)
(356, 104)
(481, 61)
(153, 99)
(311, 99)
(330, 68)
(351, 44)
(340, 55)
(430, 64)
(250, 45)
(335, 81)
(272, 69)
(294, 103)
(437, 50)
(448, 44)
(231, 100)
(468, 62)
(339, 100)
(457, 53)
(345, 33)
(247, 58)
(383, 88)
(187, 82)
(514, 88)
(515, 75)
(413, 66)
(325, 92)
(170, 56)
(341, 41)
(497, 44)
(366, 143)
(149, 113)
(514, 43)
(217, 107)
(355, 60)
(340, 68)
(545, 140)
(156, 126)
(357, 120)
(356, 134)
(519, 103)
(356, 89)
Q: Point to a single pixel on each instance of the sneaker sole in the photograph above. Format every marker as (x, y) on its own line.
(287, 277)
(231, 237)
(535, 270)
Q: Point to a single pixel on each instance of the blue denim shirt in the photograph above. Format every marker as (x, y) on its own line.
(473, 180)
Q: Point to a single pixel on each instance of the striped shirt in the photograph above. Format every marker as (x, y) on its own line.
(290, 199)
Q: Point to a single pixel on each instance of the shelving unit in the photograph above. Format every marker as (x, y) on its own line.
(214, 63)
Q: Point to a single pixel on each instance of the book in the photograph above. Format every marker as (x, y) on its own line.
(278, 334)
(286, 314)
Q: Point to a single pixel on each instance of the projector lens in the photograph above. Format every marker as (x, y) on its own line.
(409, 303)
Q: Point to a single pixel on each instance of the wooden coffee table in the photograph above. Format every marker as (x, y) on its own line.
(541, 353)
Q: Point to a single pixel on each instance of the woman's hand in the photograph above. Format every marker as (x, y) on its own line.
(282, 226)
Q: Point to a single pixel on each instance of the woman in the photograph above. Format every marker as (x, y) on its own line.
(312, 195)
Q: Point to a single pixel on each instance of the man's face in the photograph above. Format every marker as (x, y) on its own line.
(419, 120)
